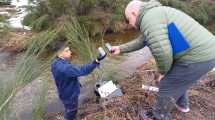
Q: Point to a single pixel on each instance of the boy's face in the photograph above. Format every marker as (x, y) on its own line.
(65, 53)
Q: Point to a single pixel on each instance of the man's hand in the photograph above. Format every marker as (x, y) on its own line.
(115, 50)
(160, 78)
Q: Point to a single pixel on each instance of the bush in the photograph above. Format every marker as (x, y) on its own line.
(57, 8)
(2, 18)
(41, 23)
(5, 31)
(29, 18)
(202, 11)
(5, 2)
(46, 13)
(209, 9)
(85, 6)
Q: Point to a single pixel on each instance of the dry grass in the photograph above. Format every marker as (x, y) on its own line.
(136, 101)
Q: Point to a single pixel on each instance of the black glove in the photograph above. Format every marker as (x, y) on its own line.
(101, 57)
(102, 54)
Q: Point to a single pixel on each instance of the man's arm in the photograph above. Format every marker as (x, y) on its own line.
(134, 45)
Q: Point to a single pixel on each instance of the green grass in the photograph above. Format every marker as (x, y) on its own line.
(79, 40)
(28, 68)
(83, 46)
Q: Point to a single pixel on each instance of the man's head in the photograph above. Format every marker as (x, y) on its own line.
(63, 51)
(132, 12)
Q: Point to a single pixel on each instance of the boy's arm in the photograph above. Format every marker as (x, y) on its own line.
(71, 70)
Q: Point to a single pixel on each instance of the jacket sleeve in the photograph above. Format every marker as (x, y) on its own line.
(134, 45)
(71, 70)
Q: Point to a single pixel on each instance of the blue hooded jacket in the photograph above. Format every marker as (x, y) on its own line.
(66, 77)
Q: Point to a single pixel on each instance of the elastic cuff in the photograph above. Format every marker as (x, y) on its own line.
(121, 47)
(96, 62)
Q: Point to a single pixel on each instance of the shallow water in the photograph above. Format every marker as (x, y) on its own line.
(16, 20)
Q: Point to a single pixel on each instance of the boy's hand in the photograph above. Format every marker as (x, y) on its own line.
(101, 57)
(102, 54)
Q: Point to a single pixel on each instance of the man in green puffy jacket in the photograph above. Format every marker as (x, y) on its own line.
(183, 49)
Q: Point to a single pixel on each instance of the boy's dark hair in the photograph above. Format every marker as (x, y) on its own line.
(59, 45)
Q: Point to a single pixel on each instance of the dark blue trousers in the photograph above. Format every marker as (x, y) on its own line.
(173, 87)
(71, 108)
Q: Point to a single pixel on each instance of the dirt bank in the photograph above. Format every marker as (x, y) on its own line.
(15, 41)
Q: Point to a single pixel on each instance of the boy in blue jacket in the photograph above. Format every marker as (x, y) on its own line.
(66, 78)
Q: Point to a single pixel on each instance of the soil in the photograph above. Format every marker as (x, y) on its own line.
(136, 101)
(16, 41)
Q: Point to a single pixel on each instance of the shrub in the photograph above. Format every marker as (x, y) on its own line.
(202, 11)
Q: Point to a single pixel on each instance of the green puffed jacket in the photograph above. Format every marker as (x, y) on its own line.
(153, 21)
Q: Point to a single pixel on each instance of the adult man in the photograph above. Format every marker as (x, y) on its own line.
(182, 48)
(66, 78)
